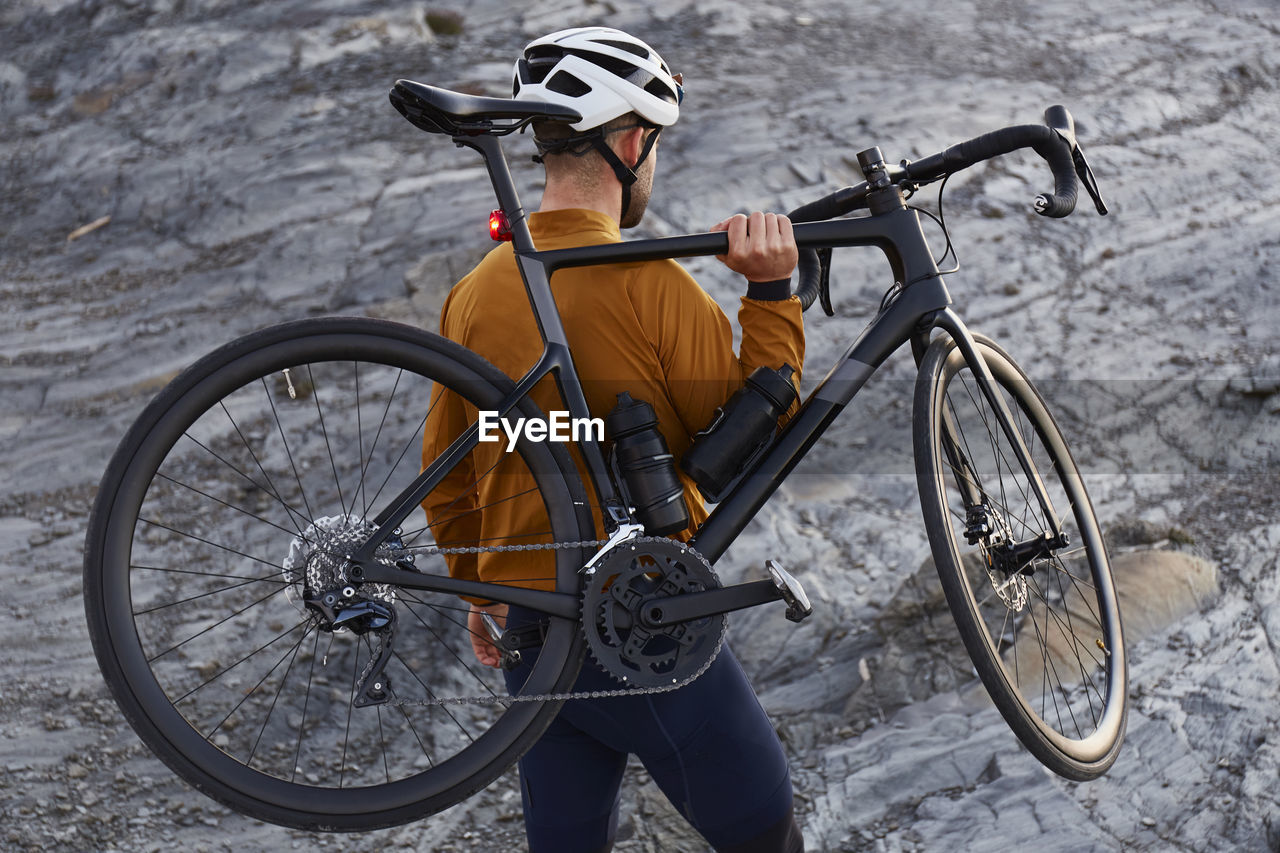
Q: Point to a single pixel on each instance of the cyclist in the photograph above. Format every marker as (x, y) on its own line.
(649, 329)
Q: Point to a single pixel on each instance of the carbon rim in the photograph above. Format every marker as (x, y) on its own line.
(219, 665)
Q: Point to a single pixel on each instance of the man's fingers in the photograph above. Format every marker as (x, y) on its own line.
(757, 230)
(761, 245)
(785, 229)
(484, 649)
(738, 230)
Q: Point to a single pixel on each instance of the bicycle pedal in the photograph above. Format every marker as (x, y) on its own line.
(508, 643)
(798, 606)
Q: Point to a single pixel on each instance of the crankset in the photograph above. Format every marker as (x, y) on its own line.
(628, 583)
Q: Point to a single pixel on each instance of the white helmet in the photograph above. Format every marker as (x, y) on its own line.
(602, 73)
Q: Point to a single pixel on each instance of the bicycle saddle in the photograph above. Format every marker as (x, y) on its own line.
(437, 110)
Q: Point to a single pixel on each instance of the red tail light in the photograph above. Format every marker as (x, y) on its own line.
(499, 226)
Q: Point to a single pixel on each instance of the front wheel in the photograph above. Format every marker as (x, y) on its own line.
(1034, 601)
(222, 525)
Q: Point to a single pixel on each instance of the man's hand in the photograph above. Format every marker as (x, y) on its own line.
(761, 247)
(486, 652)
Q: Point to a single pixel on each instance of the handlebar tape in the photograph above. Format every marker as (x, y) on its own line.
(809, 268)
(809, 271)
(836, 204)
(1044, 140)
(1053, 142)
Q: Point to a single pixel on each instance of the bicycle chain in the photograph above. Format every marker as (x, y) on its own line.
(432, 550)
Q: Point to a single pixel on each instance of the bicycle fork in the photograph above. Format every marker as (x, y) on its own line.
(1015, 556)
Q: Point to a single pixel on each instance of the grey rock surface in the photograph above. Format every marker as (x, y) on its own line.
(253, 172)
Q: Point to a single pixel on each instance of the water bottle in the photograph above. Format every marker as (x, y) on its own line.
(647, 467)
(740, 427)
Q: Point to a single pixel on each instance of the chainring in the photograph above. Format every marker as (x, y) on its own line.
(632, 653)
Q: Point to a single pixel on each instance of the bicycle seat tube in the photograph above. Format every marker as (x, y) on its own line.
(556, 357)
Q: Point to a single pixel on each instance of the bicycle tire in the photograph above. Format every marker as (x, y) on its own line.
(1046, 640)
(222, 474)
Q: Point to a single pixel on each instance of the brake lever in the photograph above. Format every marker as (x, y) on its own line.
(824, 281)
(1085, 174)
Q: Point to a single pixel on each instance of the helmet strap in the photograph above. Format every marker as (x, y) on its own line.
(626, 174)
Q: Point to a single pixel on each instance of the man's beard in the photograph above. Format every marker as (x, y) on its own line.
(639, 202)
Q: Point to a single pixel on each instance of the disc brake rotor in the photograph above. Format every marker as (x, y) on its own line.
(1009, 588)
(636, 654)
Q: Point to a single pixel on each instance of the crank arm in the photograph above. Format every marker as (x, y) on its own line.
(662, 611)
(510, 658)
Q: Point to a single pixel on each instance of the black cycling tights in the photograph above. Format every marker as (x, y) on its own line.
(708, 746)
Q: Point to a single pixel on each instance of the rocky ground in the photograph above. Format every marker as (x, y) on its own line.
(253, 172)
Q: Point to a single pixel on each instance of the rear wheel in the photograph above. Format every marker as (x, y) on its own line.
(1037, 611)
(232, 502)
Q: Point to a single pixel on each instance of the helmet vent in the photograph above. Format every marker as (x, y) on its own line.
(618, 67)
(622, 45)
(659, 90)
(567, 84)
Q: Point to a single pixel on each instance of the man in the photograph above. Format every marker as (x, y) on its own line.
(650, 330)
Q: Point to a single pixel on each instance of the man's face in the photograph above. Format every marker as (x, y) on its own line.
(641, 189)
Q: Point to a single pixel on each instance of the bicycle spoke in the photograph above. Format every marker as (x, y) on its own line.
(206, 594)
(449, 648)
(272, 594)
(210, 543)
(280, 689)
(249, 448)
(270, 492)
(230, 506)
(426, 753)
(306, 701)
(328, 446)
(431, 694)
(346, 736)
(359, 490)
(997, 451)
(293, 465)
(194, 572)
(422, 423)
(248, 694)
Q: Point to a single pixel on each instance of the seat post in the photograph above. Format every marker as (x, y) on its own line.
(503, 186)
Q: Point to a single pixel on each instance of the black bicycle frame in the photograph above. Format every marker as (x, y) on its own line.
(922, 305)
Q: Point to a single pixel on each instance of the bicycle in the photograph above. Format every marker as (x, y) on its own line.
(275, 619)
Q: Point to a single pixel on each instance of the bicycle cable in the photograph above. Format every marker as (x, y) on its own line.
(941, 219)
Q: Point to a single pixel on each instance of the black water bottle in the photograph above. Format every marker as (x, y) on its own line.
(647, 467)
(741, 427)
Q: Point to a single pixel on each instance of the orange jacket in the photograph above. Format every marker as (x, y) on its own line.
(646, 328)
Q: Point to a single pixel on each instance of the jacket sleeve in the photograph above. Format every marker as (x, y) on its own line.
(694, 340)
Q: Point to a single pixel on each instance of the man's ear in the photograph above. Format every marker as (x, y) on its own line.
(630, 144)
